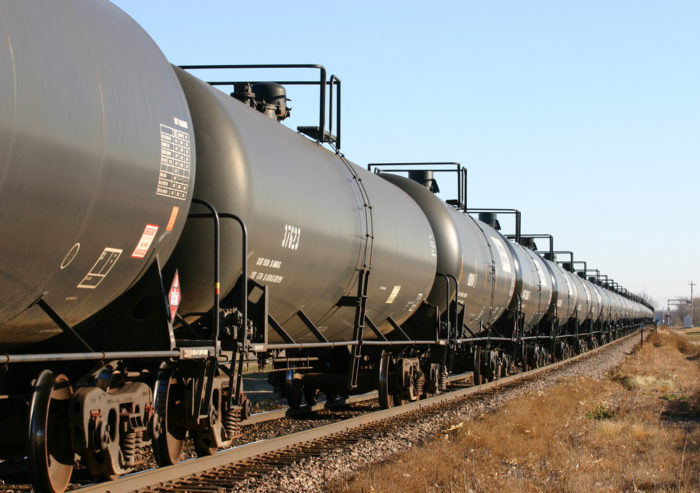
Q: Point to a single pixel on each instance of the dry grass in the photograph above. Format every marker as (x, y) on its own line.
(693, 334)
(637, 431)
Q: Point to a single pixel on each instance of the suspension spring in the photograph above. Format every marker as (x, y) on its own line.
(129, 446)
(230, 421)
(442, 379)
(419, 386)
(132, 447)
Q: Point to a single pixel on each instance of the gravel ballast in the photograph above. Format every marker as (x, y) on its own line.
(313, 474)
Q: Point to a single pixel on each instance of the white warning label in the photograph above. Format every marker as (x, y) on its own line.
(174, 175)
(101, 268)
(145, 242)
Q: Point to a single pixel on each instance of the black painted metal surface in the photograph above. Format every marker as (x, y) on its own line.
(469, 250)
(533, 288)
(314, 221)
(563, 292)
(96, 160)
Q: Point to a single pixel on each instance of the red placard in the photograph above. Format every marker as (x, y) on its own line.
(174, 296)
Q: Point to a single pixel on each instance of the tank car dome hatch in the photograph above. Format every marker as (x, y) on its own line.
(268, 98)
(528, 243)
(425, 178)
(490, 218)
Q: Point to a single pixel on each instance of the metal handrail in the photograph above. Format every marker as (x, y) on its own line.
(462, 174)
(321, 82)
(516, 212)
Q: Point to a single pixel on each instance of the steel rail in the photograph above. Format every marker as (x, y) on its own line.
(158, 477)
(288, 412)
(273, 414)
(285, 412)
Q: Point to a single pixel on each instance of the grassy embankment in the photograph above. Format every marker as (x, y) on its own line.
(635, 431)
(693, 334)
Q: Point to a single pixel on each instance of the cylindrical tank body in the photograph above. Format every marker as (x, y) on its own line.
(503, 273)
(622, 303)
(596, 300)
(96, 160)
(583, 298)
(471, 251)
(621, 307)
(563, 292)
(615, 307)
(606, 304)
(533, 285)
(309, 229)
(628, 308)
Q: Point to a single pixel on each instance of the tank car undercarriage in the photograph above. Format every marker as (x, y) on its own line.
(123, 402)
(109, 406)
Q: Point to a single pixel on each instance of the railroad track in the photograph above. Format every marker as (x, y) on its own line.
(222, 471)
(264, 416)
(274, 414)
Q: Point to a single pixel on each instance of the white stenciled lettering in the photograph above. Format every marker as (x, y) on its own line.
(268, 262)
(394, 293)
(292, 235)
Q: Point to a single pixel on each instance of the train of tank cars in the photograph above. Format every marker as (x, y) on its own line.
(135, 284)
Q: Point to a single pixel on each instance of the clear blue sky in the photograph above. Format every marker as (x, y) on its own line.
(585, 115)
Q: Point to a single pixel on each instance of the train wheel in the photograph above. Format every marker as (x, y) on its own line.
(399, 400)
(488, 366)
(292, 390)
(169, 422)
(203, 443)
(540, 356)
(558, 352)
(529, 362)
(310, 395)
(476, 362)
(205, 440)
(217, 433)
(386, 400)
(504, 364)
(50, 453)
